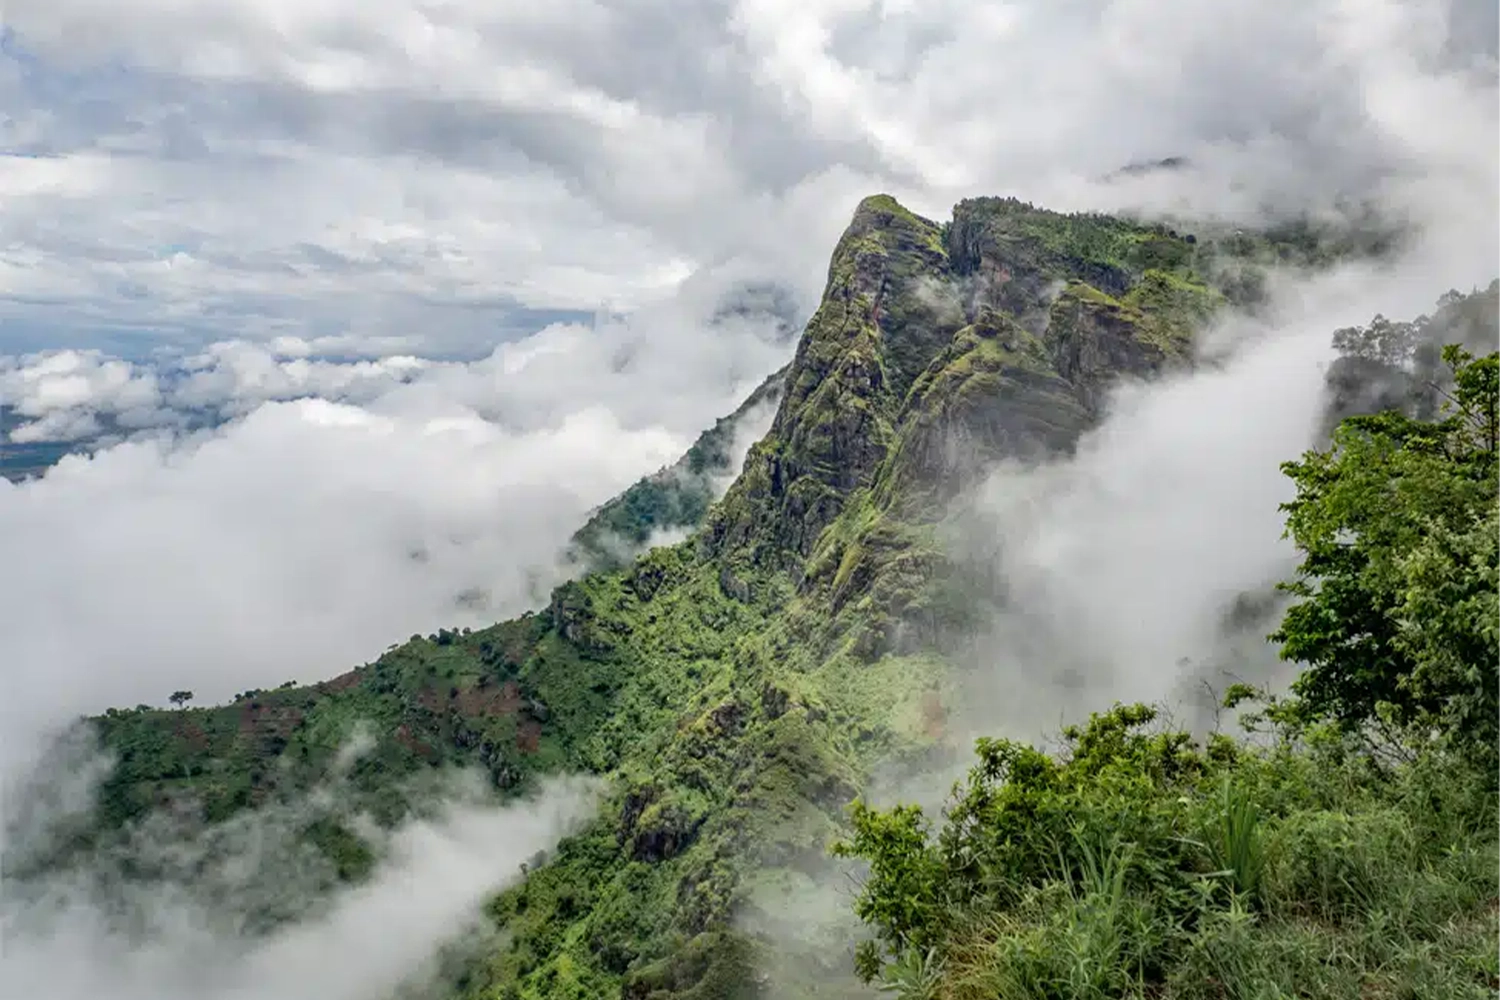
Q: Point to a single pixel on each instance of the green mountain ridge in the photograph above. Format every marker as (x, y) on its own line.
(676, 498)
(735, 689)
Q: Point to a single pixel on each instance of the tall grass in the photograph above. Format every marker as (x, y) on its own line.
(1234, 842)
(1264, 875)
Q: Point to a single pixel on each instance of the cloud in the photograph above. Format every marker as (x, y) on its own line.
(1118, 573)
(323, 509)
(1141, 568)
(338, 265)
(678, 363)
(1118, 567)
(194, 931)
(347, 169)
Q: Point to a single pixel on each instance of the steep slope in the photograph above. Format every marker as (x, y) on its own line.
(736, 688)
(676, 498)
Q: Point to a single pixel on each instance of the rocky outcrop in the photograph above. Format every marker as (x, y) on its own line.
(995, 336)
(877, 328)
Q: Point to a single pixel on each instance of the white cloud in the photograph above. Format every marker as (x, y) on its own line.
(297, 541)
(339, 168)
(270, 189)
(66, 942)
(59, 395)
(1119, 566)
(676, 364)
(346, 505)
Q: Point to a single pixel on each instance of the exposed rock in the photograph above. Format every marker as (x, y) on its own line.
(874, 332)
(663, 831)
(635, 803)
(572, 615)
(774, 701)
(733, 586)
(1094, 339)
(727, 718)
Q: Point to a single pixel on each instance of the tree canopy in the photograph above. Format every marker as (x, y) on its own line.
(1396, 614)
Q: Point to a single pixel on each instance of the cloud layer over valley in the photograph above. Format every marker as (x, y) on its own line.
(341, 507)
(191, 935)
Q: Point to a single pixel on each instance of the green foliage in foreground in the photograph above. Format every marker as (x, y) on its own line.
(1350, 851)
(1140, 864)
(1398, 619)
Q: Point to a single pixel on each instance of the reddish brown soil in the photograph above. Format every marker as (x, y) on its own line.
(934, 716)
(528, 736)
(192, 734)
(406, 738)
(474, 702)
(342, 682)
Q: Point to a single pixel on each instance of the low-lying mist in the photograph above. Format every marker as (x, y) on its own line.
(249, 909)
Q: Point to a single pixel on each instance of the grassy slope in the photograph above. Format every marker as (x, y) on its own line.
(735, 688)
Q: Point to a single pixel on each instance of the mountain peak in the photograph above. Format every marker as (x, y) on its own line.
(997, 331)
(878, 326)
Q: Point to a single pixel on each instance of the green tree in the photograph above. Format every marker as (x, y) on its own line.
(1382, 340)
(180, 698)
(1449, 619)
(1396, 523)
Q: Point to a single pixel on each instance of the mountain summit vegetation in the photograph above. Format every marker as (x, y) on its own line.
(736, 690)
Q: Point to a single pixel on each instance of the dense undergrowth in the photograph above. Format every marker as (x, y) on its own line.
(1140, 864)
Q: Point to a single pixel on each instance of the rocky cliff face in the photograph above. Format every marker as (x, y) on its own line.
(736, 689)
(937, 351)
(992, 336)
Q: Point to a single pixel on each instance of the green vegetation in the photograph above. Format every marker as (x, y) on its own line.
(1140, 864)
(737, 689)
(675, 498)
(1397, 524)
(1349, 850)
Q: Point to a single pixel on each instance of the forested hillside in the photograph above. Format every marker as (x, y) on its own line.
(737, 690)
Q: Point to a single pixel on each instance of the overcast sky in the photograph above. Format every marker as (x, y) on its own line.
(448, 172)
